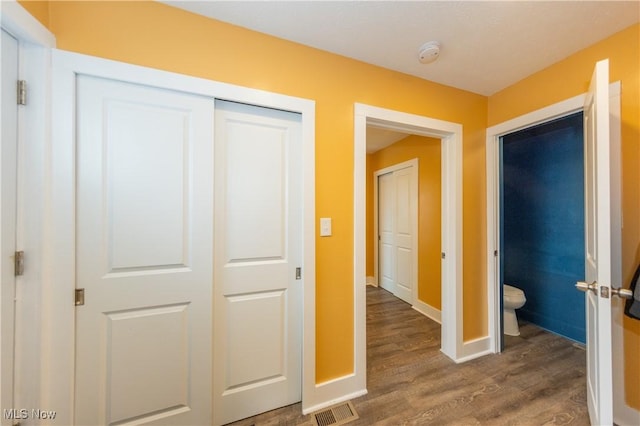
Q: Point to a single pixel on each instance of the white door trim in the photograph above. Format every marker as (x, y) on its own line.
(415, 172)
(9, 52)
(34, 41)
(17, 21)
(59, 309)
(451, 136)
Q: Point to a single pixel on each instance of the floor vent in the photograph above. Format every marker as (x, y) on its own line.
(337, 415)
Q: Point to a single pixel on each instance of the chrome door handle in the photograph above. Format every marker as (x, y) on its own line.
(583, 286)
(622, 293)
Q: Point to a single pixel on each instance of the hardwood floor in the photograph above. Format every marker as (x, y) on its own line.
(538, 380)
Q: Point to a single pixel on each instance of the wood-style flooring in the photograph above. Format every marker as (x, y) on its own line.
(538, 380)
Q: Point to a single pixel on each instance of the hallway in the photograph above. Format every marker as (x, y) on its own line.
(539, 379)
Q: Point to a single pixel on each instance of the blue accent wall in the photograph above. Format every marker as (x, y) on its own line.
(543, 223)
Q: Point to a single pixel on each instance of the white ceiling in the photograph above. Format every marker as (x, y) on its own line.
(378, 138)
(486, 45)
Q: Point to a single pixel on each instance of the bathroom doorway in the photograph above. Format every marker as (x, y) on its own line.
(541, 221)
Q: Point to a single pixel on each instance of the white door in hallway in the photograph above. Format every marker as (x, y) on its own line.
(598, 246)
(258, 247)
(386, 250)
(8, 202)
(397, 211)
(144, 254)
(405, 199)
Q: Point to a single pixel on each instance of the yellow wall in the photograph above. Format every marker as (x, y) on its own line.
(569, 78)
(159, 36)
(38, 9)
(427, 151)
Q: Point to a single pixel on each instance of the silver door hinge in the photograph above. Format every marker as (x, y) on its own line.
(298, 273)
(79, 297)
(18, 263)
(22, 92)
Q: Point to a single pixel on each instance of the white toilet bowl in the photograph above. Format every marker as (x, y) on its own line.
(513, 298)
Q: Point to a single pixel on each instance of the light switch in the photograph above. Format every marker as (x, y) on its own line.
(325, 226)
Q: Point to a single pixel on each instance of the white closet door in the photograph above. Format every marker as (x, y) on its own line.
(258, 227)
(397, 228)
(386, 250)
(144, 254)
(403, 234)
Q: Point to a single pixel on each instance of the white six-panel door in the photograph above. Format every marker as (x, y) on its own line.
(258, 246)
(144, 250)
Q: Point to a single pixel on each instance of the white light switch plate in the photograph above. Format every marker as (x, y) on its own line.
(325, 226)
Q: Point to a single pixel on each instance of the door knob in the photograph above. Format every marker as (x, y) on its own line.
(583, 286)
(622, 293)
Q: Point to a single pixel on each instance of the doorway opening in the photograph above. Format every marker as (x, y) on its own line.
(494, 205)
(542, 227)
(404, 218)
(493, 160)
(450, 137)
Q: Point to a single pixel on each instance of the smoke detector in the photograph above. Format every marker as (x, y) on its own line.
(429, 52)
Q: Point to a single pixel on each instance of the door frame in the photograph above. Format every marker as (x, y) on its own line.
(451, 136)
(415, 172)
(34, 42)
(551, 112)
(60, 318)
(8, 213)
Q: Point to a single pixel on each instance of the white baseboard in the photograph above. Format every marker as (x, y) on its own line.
(474, 349)
(332, 402)
(372, 281)
(428, 311)
(626, 417)
(333, 392)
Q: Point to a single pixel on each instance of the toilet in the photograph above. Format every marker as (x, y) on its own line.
(513, 298)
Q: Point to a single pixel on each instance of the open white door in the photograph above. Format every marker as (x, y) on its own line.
(598, 247)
